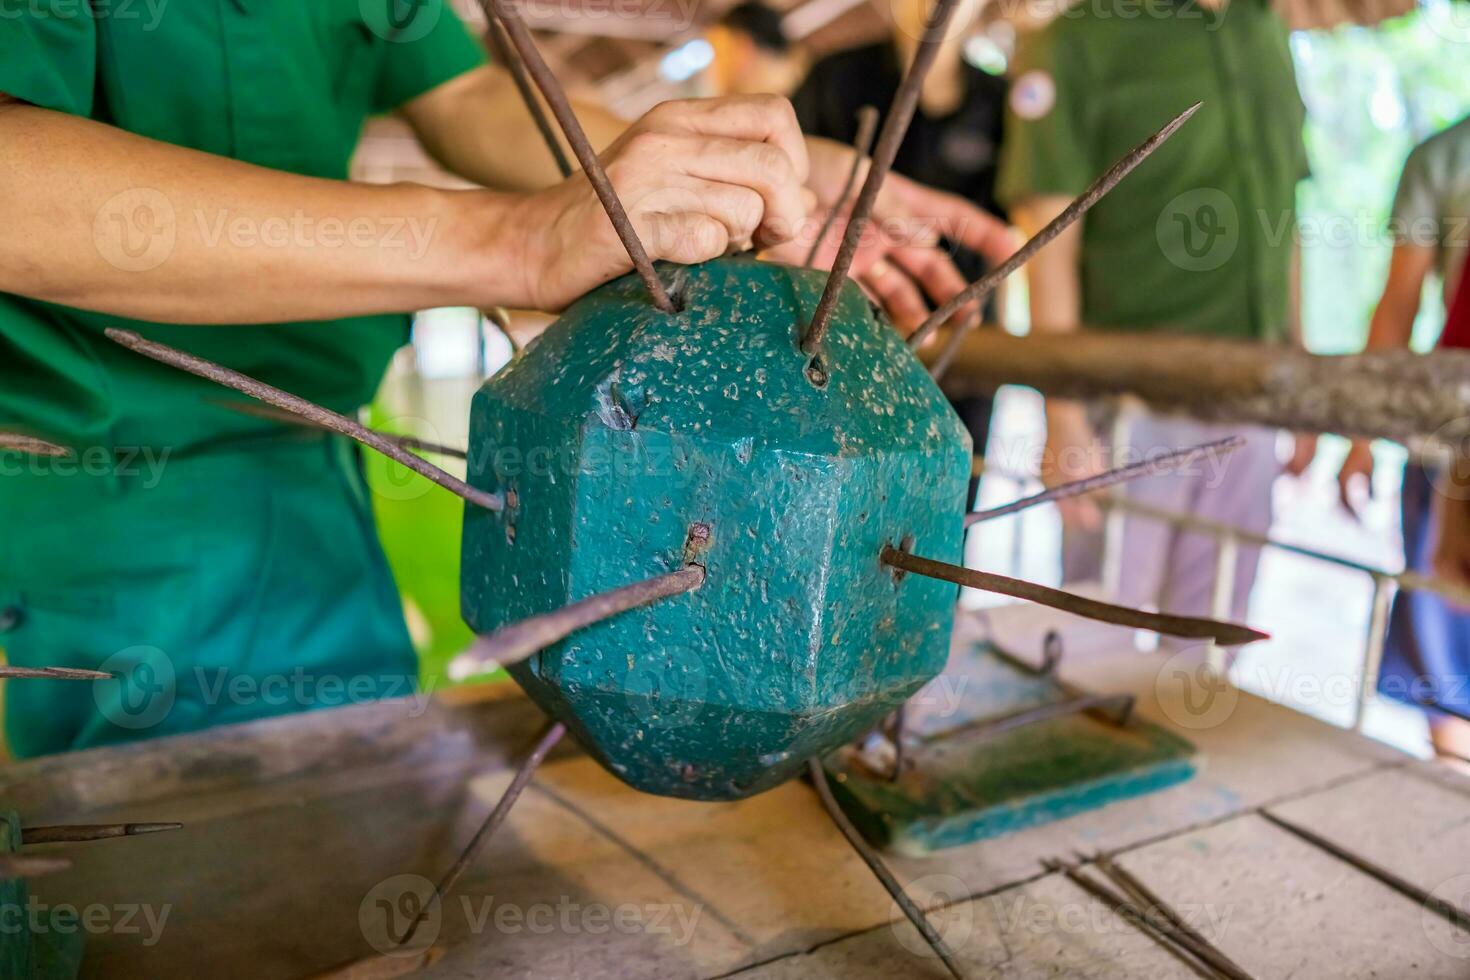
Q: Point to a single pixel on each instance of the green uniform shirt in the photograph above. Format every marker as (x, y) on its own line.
(1199, 238)
(285, 84)
(1432, 208)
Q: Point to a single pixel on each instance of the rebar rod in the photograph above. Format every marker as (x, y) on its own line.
(515, 642)
(323, 417)
(895, 126)
(544, 745)
(561, 108)
(261, 410)
(82, 833)
(1188, 627)
(867, 128)
(10, 672)
(1148, 467)
(1100, 188)
(880, 870)
(15, 442)
(506, 52)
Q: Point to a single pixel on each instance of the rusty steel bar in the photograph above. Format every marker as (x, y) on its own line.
(880, 870)
(1099, 189)
(900, 114)
(9, 672)
(1188, 627)
(82, 833)
(15, 442)
(561, 108)
(25, 866)
(260, 410)
(544, 745)
(867, 128)
(325, 418)
(506, 52)
(1148, 467)
(515, 642)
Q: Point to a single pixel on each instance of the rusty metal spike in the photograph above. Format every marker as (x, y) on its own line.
(561, 108)
(260, 410)
(1148, 467)
(83, 833)
(1100, 189)
(1188, 627)
(880, 870)
(15, 442)
(867, 119)
(900, 114)
(323, 417)
(544, 745)
(53, 674)
(517, 641)
(506, 52)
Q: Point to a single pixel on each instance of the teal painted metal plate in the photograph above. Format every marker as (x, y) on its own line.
(622, 427)
(53, 952)
(963, 789)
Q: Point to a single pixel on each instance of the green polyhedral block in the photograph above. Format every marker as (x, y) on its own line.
(622, 427)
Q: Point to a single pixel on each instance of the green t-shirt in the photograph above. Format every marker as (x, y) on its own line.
(1432, 207)
(285, 85)
(1199, 238)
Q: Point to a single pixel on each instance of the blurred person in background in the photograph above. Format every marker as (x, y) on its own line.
(752, 54)
(953, 143)
(1427, 656)
(1198, 241)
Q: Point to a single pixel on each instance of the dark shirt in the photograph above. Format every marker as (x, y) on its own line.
(959, 152)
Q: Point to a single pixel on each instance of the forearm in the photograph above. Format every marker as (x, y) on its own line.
(105, 220)
(477, 127)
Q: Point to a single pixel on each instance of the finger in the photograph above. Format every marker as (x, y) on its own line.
(959, 220)
(936, 272)
(1345, 494)
(739, 209)
(686, 237)
(758, 118)
(898, 296)
(758, 166)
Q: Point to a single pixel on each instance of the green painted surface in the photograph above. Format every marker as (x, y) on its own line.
(963, 789)
(621, 427)
(51, 952)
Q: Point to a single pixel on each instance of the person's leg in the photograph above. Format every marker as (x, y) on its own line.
(1148, 543)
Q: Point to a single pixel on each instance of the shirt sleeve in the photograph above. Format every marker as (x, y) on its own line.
(48, 59)
(424, 51)
(1047, 149)
(1416, 205)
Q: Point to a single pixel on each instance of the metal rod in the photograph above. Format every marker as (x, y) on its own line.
(506, 52)
(1100, 188)
(544, 745)
(25, 866)
(15, 442)
(1448, 910)
(261, 410)
(1149, 899)
(561, 108)
(895, 125)
(82, 833)
(1162, 932)
(867, 120)
(880, 870)
(1188, 627)
(1114, 709)
(323, 417)
(1148, 467)
(1373, 651)
(8, 672)
(515, 642)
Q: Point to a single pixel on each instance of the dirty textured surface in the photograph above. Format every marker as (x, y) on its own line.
(622, 428)
(303, 834)
(963, 784)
